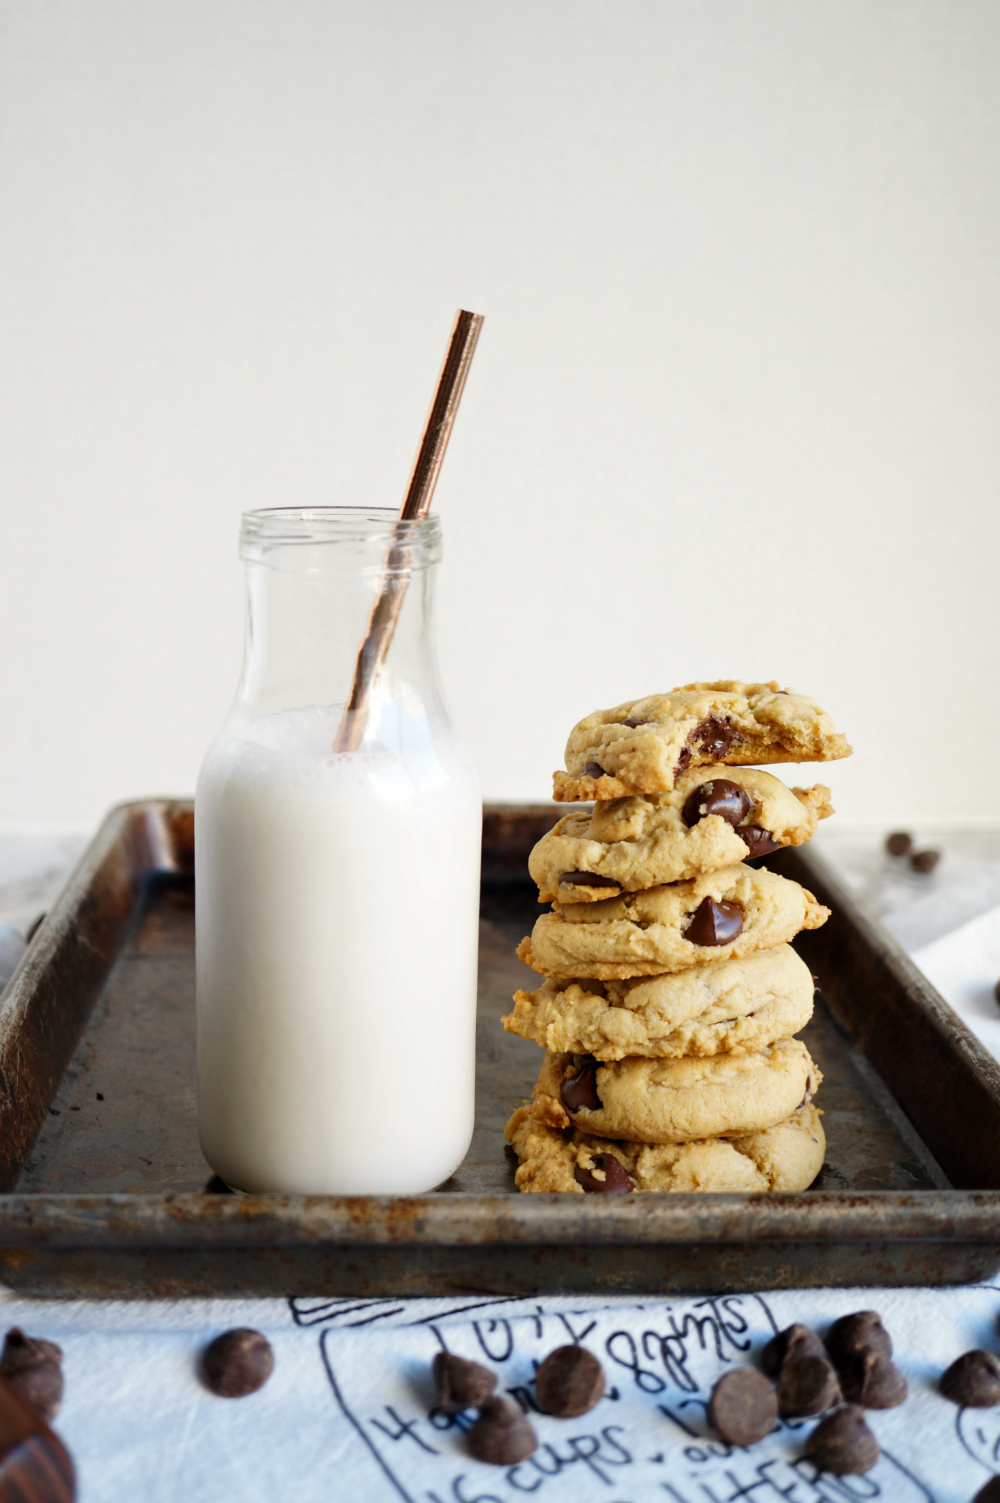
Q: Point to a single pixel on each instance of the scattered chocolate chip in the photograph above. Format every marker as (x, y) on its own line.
(579, 1090)
(874, 1381)
(790, 1345)
(899, 844)
(593, 770)
(614, 1178)
(861, 1332)
(925, 861)
(807, 1386)
(237, 1363)
(743, 1407)
(758, 842)
(720, 796)
(714, 923)
(713, 737)
(588, 879)
(569, 1382)
(989, 1492)
(633, 722)
(100, 1095)
(501, 1434)
(461, 1384)
(34, 1367)
(973, 1380)
(35, 926)
(843, 1444)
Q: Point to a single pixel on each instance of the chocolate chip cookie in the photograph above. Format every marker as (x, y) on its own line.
(787, 1156)
(714, 817)
(643, 746)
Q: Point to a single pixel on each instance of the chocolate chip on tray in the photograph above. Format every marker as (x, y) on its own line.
(807, 1386)
(714, 923)
(34, 1367)
(587, 879)
(237, 1363)
(743, 1406)
(569, 1382)
(843, 1444)
(501, 1434)
(608, 1177)
(874, 1381)
(925, 861)
(579, 1090)
(721, 796)
(973, 1380)
(861, 1332)
(461, 1384)
(899, 843)
(791, 1344)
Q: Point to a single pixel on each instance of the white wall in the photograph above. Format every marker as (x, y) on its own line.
(734, 412)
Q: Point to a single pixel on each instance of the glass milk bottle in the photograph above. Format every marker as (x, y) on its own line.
(337, 892)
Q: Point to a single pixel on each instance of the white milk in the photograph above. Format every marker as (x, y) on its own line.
(337, 926)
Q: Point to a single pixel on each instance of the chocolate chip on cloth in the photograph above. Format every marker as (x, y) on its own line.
(899, 844)
(874, 1381)
(843, 1444)
(605, 1177)
(743, 1407)
(925, 861)
(569, 1382)
(237, 1363)
(861, 1332)
(461, 1384)
(790, 1345)
(501, 1435)
(807, 1386)
(989, 1492)
(34, 1367)
(973, 1380)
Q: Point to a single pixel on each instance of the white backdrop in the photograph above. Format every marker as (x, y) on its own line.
(734, 411)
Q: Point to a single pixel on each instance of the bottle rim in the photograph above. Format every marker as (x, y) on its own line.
(288, 526)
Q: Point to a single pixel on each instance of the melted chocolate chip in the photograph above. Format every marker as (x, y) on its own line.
(843, 1444)
(790, 1345)
(807, 1386)
(973, 1380)
(501, 1435)
(758, 842)
(743, 1407)
(684, 760)
(861, 1332)
(874, 1381)
(633, 722)
(593, 770)
(569, 1382)
(713, 737)
(579, 1090)
(461, 1384)
(718, 796)
(588, 879)
(899, 844)
(714, 923)
(237, 1363)
(615, 1181)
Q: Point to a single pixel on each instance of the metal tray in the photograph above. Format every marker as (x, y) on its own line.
(106, 1192)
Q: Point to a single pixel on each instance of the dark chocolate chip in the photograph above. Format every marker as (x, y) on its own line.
(579, 1090)
(925, 861)
(807, 1386)
(633, 722)
(843, 1444)
(237, 1363)
(899, 844)
(758, 842)
(33, 1366)
(684, 760)
(461, 1384)
(569, 1382)
(714, 923)
(989, 1492)
(501, 1435)
(791, 1344)
(713, 737)
(861, 1332)
(719, 796)
(588, 879)
(743, 1406)
(615, 1179)
(874, 1381)
(593, 770)
(973, 1380)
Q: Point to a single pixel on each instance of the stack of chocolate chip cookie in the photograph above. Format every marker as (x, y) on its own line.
(672, 994)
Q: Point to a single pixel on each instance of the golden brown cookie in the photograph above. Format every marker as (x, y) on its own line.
(726, 913)
(643, 746)
(676, 1100)
(787, 1156)
(730, 1007)
(714, 816)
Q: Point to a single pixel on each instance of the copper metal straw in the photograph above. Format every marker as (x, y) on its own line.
(416, 504)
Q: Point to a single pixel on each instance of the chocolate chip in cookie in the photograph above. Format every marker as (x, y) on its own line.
(714, 923)
(743, 1407)
(721, 796)
(607, 1177)
(713, 737)
(758, 842)
(593, 770)
(587, 879)
(579, 1090)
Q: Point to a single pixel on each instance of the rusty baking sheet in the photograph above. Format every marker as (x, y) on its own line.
(105, 1190)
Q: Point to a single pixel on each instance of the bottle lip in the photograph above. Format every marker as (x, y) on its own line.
(287, 526)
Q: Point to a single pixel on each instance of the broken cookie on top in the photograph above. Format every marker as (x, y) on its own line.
(643, 746)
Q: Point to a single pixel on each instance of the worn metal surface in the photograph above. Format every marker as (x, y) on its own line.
(97, 1114)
